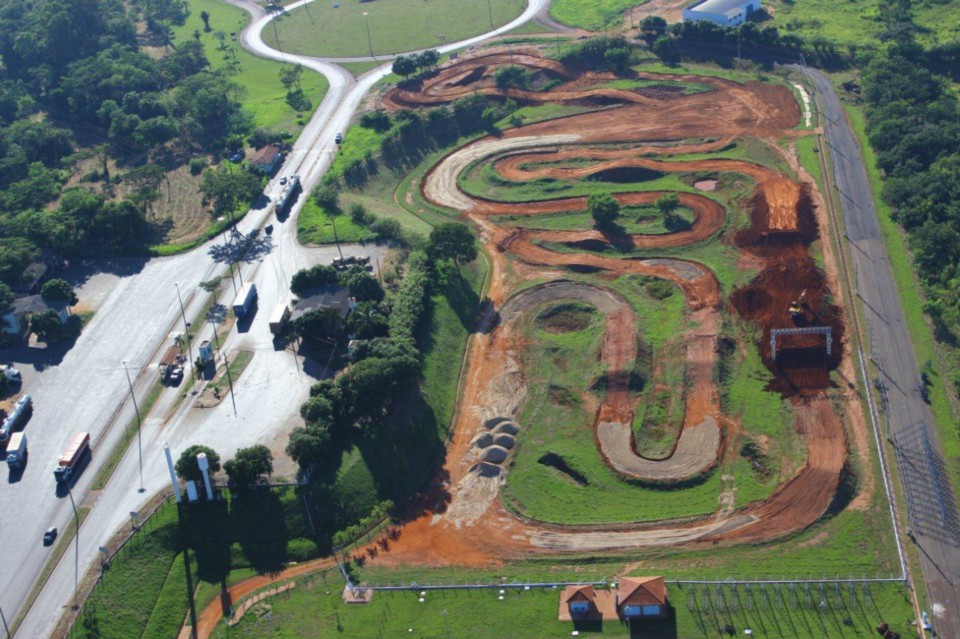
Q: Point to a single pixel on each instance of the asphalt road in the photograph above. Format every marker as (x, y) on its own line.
(85, 388)
(931, 504)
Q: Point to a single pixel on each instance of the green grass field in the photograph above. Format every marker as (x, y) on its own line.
(396, 26)
(316, 607)
(316, 226)
(594, 16)
(858, 23)
(265, 96)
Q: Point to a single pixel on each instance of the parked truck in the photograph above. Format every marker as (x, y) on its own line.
(245, 299)
(279, 318)
(16, 417)
(17, 451)
(71, 457)
(171, 365)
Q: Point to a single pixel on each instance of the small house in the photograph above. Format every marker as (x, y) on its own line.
(267, 160)
(642, 598)
(331, 296)
(17, 319)
(581, 601)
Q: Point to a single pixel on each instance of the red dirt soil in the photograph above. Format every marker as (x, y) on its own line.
(780, 233)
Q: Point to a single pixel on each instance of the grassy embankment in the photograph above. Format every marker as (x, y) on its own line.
(145, 593)
(593, 16)
(855, 24)
(264, 98)
(319, 29)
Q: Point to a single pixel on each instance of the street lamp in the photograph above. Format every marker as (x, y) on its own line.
(136, 408)
(366, 21)
(186, 327)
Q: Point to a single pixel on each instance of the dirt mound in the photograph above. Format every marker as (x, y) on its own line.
(779, 239)
(566, 318)
(802, 363)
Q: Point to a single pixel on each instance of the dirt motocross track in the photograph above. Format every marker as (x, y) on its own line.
(463, 521)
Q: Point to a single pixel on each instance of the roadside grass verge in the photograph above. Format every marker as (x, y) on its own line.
(316, 226)
(319, 29)
(126, 438)
(265, 96)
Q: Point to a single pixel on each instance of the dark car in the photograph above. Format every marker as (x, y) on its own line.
(283, 181)
(49, 536)
(269, 229)
(339, 138)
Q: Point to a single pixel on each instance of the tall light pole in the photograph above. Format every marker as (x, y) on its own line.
(6, 628)
(136, 408)
(366, 21)
(186, 327)
(76, 553)
(490, 12)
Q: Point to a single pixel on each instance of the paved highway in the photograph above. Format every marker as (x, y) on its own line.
(931, 504)
(85, 389)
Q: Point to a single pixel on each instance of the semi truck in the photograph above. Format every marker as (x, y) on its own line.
(71, 457)
(245, 299)
(16, 417)
(288, 195)
(17, 451)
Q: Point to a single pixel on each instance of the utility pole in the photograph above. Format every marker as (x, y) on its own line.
(6, 628)
(76, 554)
(136, 408)
(233, 399)
(366, 21)
(337, 239)
(186, 327)
(490, 13)
(227, 245)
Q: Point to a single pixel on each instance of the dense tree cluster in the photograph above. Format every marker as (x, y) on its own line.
(73, 86)
(913, 122)
(407, 65)
(385, 365)
(601, 54)
(249, 465)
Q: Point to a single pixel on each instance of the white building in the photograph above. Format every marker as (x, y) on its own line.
(726, 13)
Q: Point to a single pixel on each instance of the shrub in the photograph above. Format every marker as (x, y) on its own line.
(302, 549)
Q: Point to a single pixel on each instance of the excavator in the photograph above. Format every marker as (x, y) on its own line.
(798, 310)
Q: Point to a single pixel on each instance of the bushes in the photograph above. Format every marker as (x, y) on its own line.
(302, 549)
(408, 300)
(601, 54)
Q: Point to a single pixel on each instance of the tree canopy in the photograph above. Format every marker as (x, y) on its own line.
(249, 465)
(452, 241)
(187, 467)
(603, 208)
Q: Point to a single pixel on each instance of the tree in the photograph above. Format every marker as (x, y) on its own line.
(230, 189)
(290, 78)
(308, 278)
(427, 59)
(58, 290)
(206, 21)
(249, 464)
(603, 208)
(363, 286)
(511, 76)
(404, 66)
(667, 49)
(377, 120)
(46, 325)
(328, 198)
(452, 241)
(668, 203)
(308, 445)
(187, 467)
(6, 297)
(318, 325)
(367, 320)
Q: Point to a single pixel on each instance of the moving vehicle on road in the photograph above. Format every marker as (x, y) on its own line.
(283, 181)
(49, 536)
(17, 451)
(17, 417)
(71, 457)
(171, 365)
(339, 138)
(245, 299)
(269, 229)
(289, 195)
